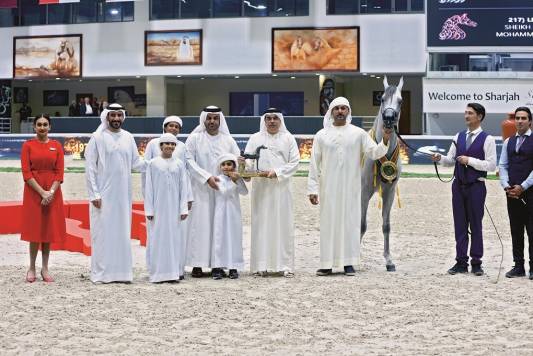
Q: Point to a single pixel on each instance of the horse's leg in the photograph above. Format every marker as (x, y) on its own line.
(367, 190)
(388, 199)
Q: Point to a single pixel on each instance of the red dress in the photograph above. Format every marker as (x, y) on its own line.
(44, 162)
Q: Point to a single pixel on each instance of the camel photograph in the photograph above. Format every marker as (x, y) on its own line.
(312, 49)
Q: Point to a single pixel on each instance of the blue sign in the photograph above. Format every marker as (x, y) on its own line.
(452, 23)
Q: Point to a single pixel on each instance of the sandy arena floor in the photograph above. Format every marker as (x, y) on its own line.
(418, 310)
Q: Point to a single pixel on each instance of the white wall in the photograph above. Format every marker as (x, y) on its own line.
(389, 43)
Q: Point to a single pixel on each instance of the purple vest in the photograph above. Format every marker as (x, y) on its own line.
(468, 175)
(521, 163)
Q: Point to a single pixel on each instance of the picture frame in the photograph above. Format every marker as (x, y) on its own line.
(173, 47)
(312, 49)
(20, 95)
(122, 95)
(81, 96)
(51, 56)
(55, 98)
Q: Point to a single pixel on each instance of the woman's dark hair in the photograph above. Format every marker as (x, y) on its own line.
(42, 116)
(478, 108)
(526, 109)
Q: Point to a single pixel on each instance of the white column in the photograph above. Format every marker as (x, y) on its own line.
(156, 95)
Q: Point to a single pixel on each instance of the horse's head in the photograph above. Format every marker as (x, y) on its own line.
(391, 103)
(465, 20)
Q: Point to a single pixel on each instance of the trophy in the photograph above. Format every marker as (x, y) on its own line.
(253, 156)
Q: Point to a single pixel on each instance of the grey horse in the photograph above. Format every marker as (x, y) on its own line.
(371, 178)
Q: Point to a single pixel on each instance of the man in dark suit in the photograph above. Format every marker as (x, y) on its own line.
(473, 152)
(516, 178)
(86, 109)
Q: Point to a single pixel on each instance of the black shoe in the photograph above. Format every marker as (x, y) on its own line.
(323, 272)
(182, 277)
(516, 271)
(477, 270)
(223, 273)
(217, 273)
(458, 268)
(349, 271)
(233, 274)
(531, 274)
(197, 272)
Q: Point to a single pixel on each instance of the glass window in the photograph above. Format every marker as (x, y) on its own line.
(375, 6)
(8, 17)
(400, 5)
(164, 9)
(32, 13)
(417, 5)
(301, 7)
(340, 7)
(197, 9)
(60, 14)
(85, 11)
(256, 8)
(228, 8)
(112, 12)
(128, 10)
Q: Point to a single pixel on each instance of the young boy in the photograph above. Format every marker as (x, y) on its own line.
(227, 227)
(165, 207)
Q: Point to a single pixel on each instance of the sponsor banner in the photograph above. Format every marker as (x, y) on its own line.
(74, 145)
(476, 23)
(451, 96)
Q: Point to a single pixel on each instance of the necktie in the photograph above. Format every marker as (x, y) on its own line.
(469, 140)
(519, 142)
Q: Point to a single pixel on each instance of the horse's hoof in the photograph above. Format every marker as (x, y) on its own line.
(391, 268)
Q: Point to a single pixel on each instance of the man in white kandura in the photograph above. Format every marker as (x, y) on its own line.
(165, 207)
(335, 177)
(272, 247)
(173, 125)
(109, 158)
(209, 140)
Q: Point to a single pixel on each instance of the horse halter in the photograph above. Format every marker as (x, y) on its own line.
(389, 117)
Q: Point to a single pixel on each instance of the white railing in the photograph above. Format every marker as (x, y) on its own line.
(5, 125)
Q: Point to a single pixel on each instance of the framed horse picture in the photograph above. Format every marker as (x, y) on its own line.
(311, 49)
(47, 56)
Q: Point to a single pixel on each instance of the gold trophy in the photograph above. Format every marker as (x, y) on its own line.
(253, 156)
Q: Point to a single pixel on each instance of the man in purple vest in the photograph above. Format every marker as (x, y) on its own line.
(473, 152)
(516, 178)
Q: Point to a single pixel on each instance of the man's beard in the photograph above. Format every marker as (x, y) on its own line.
(341, 117)
(116, 124)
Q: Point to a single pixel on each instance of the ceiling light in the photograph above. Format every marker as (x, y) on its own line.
(137, 76)
(113, 12)
(293, 77)
(274, 75)
(58, 78)
(236, 77)
(178, 76)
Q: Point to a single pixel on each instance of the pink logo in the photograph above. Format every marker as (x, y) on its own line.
(452, 31)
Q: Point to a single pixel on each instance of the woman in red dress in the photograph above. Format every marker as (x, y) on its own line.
(42, 205)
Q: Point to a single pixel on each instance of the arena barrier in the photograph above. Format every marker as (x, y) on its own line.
(74, 145)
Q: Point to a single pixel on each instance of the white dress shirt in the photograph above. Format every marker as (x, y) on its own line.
(489, 147)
